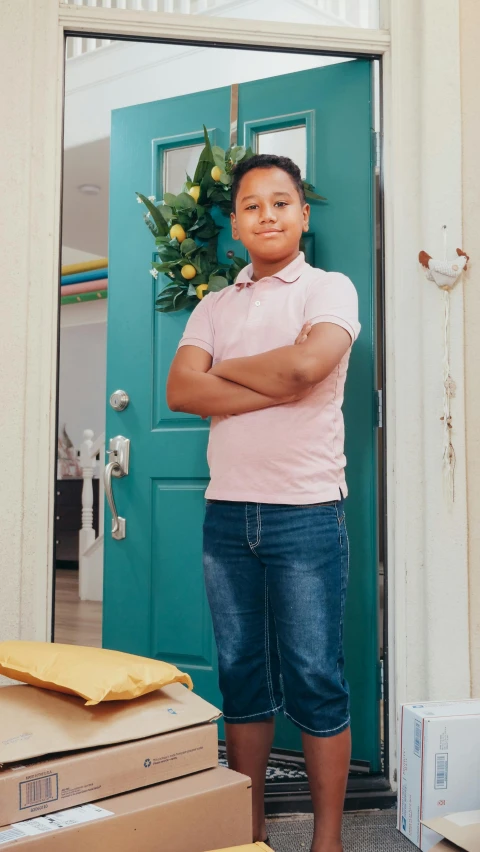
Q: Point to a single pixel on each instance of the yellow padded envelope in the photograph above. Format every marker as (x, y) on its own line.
(95, 674)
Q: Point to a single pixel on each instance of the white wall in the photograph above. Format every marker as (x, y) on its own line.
(82, 379)
(470, 67)
(73, 255)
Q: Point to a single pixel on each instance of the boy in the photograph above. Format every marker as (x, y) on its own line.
(275, 542)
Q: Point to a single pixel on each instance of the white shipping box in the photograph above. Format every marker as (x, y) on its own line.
(439, 765)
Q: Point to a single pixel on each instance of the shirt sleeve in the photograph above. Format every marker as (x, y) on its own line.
(199, 328)
(332, 298)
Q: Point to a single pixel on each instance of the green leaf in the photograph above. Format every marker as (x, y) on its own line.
(310, 192)
(170, 199)
(181, 301)
(191, 291)
(237, 153)
(184, 201)
(166, 211)
(160, 223)
(226, 179)
(219, 157)
(205, 161)
(163, 267)
(216, 283)
(169, 253)
(188, 246)
(168, 292)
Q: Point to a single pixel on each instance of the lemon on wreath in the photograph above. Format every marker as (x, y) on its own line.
(201, 290)
(188, 271)
(194, 191)
(177, 233)
(216, 173)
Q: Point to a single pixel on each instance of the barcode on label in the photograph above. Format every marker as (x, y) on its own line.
(39, 791)
(441, 771)
(11, 834)
(417, 744)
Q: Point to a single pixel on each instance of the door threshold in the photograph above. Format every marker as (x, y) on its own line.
(372, 793)
(286, 794)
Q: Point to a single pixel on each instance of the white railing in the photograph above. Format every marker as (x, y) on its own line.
(349, 13)
(90, 546)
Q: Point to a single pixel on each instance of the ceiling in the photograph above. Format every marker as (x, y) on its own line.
(85, 217)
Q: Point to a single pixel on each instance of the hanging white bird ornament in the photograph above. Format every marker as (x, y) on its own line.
(445, 273)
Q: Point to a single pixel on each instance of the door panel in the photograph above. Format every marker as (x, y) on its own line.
(154, 600)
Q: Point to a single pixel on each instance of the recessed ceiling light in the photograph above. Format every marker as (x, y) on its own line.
(89, 189)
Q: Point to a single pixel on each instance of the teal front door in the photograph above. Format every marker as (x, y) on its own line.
(154, 599)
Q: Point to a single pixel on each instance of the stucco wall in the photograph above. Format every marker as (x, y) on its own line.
(470, 71)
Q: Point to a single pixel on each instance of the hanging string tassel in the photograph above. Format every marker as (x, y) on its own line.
(449, 389)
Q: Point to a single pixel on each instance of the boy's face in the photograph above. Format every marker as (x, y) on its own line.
(269, 217)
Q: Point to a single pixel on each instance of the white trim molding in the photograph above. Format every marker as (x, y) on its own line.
(227, 31)
(427, 565)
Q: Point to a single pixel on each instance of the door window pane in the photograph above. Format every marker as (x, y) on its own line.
(177, 163)
(286, 142)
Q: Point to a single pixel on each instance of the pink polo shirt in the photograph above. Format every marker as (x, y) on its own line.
(290, 453)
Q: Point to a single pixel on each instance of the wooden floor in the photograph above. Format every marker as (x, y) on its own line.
(76, 622)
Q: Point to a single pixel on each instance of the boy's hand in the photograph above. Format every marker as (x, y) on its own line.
(303, 334)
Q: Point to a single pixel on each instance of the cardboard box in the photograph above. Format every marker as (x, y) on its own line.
(38, 722)
(440, 765)
(164, 735)
(82, 777)
(460, 831)
(209, 810)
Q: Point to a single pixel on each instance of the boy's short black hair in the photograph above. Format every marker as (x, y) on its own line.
(267, 161)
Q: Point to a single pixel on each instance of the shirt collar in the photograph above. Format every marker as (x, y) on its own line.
(288, 274)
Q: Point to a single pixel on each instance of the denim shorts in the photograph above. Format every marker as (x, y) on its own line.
(276, 579)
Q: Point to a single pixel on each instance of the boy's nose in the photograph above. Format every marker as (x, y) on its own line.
(268, 214)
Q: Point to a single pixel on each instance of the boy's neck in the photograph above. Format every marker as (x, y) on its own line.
(265, 269)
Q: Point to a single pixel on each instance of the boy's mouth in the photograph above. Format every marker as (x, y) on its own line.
(268, 232)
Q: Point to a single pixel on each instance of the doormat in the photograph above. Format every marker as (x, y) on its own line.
(281, 768)
(288, 768)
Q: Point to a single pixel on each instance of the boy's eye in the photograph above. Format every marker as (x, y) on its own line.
(251, 206)
(280, 204)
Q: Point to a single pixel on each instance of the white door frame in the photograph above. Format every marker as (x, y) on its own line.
(427, 565)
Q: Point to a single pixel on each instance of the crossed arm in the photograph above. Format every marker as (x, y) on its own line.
(239, 385)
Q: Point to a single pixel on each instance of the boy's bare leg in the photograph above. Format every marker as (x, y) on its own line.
(248, 750)
(327, 761)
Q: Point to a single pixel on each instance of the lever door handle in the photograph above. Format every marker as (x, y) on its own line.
(118, 467)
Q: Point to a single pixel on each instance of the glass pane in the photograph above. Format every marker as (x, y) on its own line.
(177, 163)
(286, 142)
(337, 13)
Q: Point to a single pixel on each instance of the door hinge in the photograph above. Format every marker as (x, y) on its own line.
(379, 407)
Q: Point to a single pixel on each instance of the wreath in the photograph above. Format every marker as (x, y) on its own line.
(186, 234)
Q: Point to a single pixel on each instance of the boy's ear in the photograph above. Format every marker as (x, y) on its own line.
(233, 220)
(306, 216)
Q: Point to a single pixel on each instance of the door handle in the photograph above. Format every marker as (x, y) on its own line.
(118, 467)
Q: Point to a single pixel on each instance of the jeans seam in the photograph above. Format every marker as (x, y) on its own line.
(267, 647)
(328, 731)
(281, 679)
(252, 715)
(259, 529)
(342, 592)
